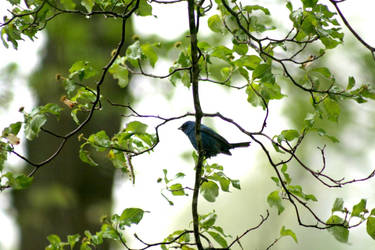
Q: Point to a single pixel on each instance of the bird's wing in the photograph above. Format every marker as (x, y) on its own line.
(210, 132)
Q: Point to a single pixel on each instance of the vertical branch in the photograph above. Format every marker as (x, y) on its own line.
(194, 75)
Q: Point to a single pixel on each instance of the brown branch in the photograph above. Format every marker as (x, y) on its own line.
(193, 16)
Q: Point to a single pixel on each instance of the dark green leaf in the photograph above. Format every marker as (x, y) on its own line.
(236, 183)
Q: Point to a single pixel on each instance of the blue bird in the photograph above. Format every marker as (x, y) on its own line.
(212, 142)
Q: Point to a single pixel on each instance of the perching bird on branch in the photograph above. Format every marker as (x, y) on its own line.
(212, 142)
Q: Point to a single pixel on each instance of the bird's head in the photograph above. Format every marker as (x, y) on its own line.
(187, 126)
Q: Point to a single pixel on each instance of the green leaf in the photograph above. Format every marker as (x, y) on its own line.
(131, 216)
(251, 8)
(84, 155)
(339, 232)
(88, 4)
(329, 43)
(149, 52)
(222, 179)
(68, 4)
(73, 239)
(370, 226)
(287, 178)
(119, 71)
(310, 119)
(290, 134)
(248, 61)
(222, 52)
(32, 127)
(214, 23)
(289, 6)
(108, 232)
(99, 140)
(177, 189)
(218, 238)
(207, 221)
(351, 83)
(240, 48)
(359, 208)
(209, 190)
(287, 232)
(13, 128)
(51, 108)
(3, 155)
(297, 190)
(274, 200)
(134, 51)
(19, 182)
(54, 240)
(332, 109)
(144, 8)
(82, 69)
(323, 71)
(136, 127)
(309, 3)
(236, 183)
(338, 205)
(261, 70)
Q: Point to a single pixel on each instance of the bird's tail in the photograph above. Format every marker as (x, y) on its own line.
(240, 144)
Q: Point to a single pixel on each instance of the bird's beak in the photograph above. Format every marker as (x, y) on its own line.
(180, 128)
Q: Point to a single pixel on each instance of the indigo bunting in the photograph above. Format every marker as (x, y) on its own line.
(212, 142)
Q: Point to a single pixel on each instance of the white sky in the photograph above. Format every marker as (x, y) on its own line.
(173, 143)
